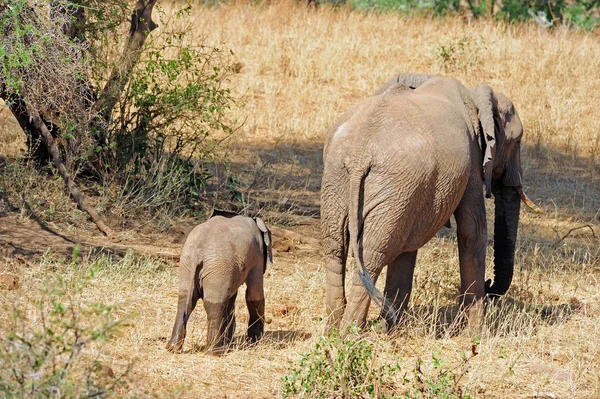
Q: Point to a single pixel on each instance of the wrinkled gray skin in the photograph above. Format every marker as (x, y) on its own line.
(397, 166)
(218, 256)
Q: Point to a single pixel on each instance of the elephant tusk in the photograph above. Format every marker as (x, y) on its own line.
(527, 201)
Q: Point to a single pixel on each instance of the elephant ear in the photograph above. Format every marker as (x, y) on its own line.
(267, 239)
(219, 212)
(486, 103)
(413, 80)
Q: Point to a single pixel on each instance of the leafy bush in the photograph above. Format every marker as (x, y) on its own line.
(338, 367)
(345, 367)
(580, 14)
(460, 55)
(43, 339)
(165, 130)
(65, 60)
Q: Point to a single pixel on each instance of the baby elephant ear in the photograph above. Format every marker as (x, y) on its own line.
(267, 240)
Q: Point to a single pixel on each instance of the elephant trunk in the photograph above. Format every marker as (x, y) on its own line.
(507, 204)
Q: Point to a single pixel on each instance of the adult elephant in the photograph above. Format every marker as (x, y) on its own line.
(397, 166)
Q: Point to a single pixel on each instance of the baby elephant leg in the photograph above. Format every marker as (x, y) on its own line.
(230, 319)
(218, 314)
(255, 300)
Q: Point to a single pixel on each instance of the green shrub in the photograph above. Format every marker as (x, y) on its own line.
(580, 14)
(44, 337)
(338, 367)
(347, 367)
(61, 59)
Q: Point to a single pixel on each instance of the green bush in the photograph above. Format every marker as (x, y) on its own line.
(579, 14)
(59, 57)
(338, 367)
(44, 337)
(347, 367)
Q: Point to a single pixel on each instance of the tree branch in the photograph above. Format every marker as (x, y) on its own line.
(141, 26)
(574, 229)
(56, 159)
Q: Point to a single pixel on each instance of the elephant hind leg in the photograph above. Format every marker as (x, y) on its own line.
(189, 293)
(255, 300)
(358, 298)
(217, 313)
(336, 276)
(334, 231)
(230, 319)
(398, 284)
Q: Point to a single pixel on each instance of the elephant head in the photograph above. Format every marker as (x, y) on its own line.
(501, 132)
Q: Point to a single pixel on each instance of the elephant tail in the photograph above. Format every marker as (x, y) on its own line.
(356, 225)
(192, 291)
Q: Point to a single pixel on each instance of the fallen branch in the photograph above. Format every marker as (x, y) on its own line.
(58, 163)
(283, 233)
(574, 229)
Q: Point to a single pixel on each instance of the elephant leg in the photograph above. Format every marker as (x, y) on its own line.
(358, 298)
(472, 240)
(255, 300)
(217, 315)
(230, 319)
(334, 225)
(189, 294)
(398, 283)
(336, 275)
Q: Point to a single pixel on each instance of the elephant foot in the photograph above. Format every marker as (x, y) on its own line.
(176, 347)
(255, 332)
(470, 319)
(218, 350)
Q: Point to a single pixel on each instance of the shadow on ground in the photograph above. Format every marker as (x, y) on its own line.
(281, 182)
(279, 339)
(501, 316)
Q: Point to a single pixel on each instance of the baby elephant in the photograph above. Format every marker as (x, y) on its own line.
(218, 256)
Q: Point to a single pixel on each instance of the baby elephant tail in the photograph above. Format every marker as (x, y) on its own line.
(189, 293)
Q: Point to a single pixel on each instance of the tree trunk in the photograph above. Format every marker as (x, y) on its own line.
(38, 151)
(73, 189)
(141, 26)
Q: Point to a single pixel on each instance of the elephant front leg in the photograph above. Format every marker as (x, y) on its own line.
(256, 323)
(472, 240)
(230, 319)
(398, 284)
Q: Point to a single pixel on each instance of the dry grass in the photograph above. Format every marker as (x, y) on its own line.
(300, 69)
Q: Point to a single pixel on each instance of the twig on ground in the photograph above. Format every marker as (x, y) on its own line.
(283, 233)
(574, 229)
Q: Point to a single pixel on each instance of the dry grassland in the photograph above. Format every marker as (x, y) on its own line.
(300, 69)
